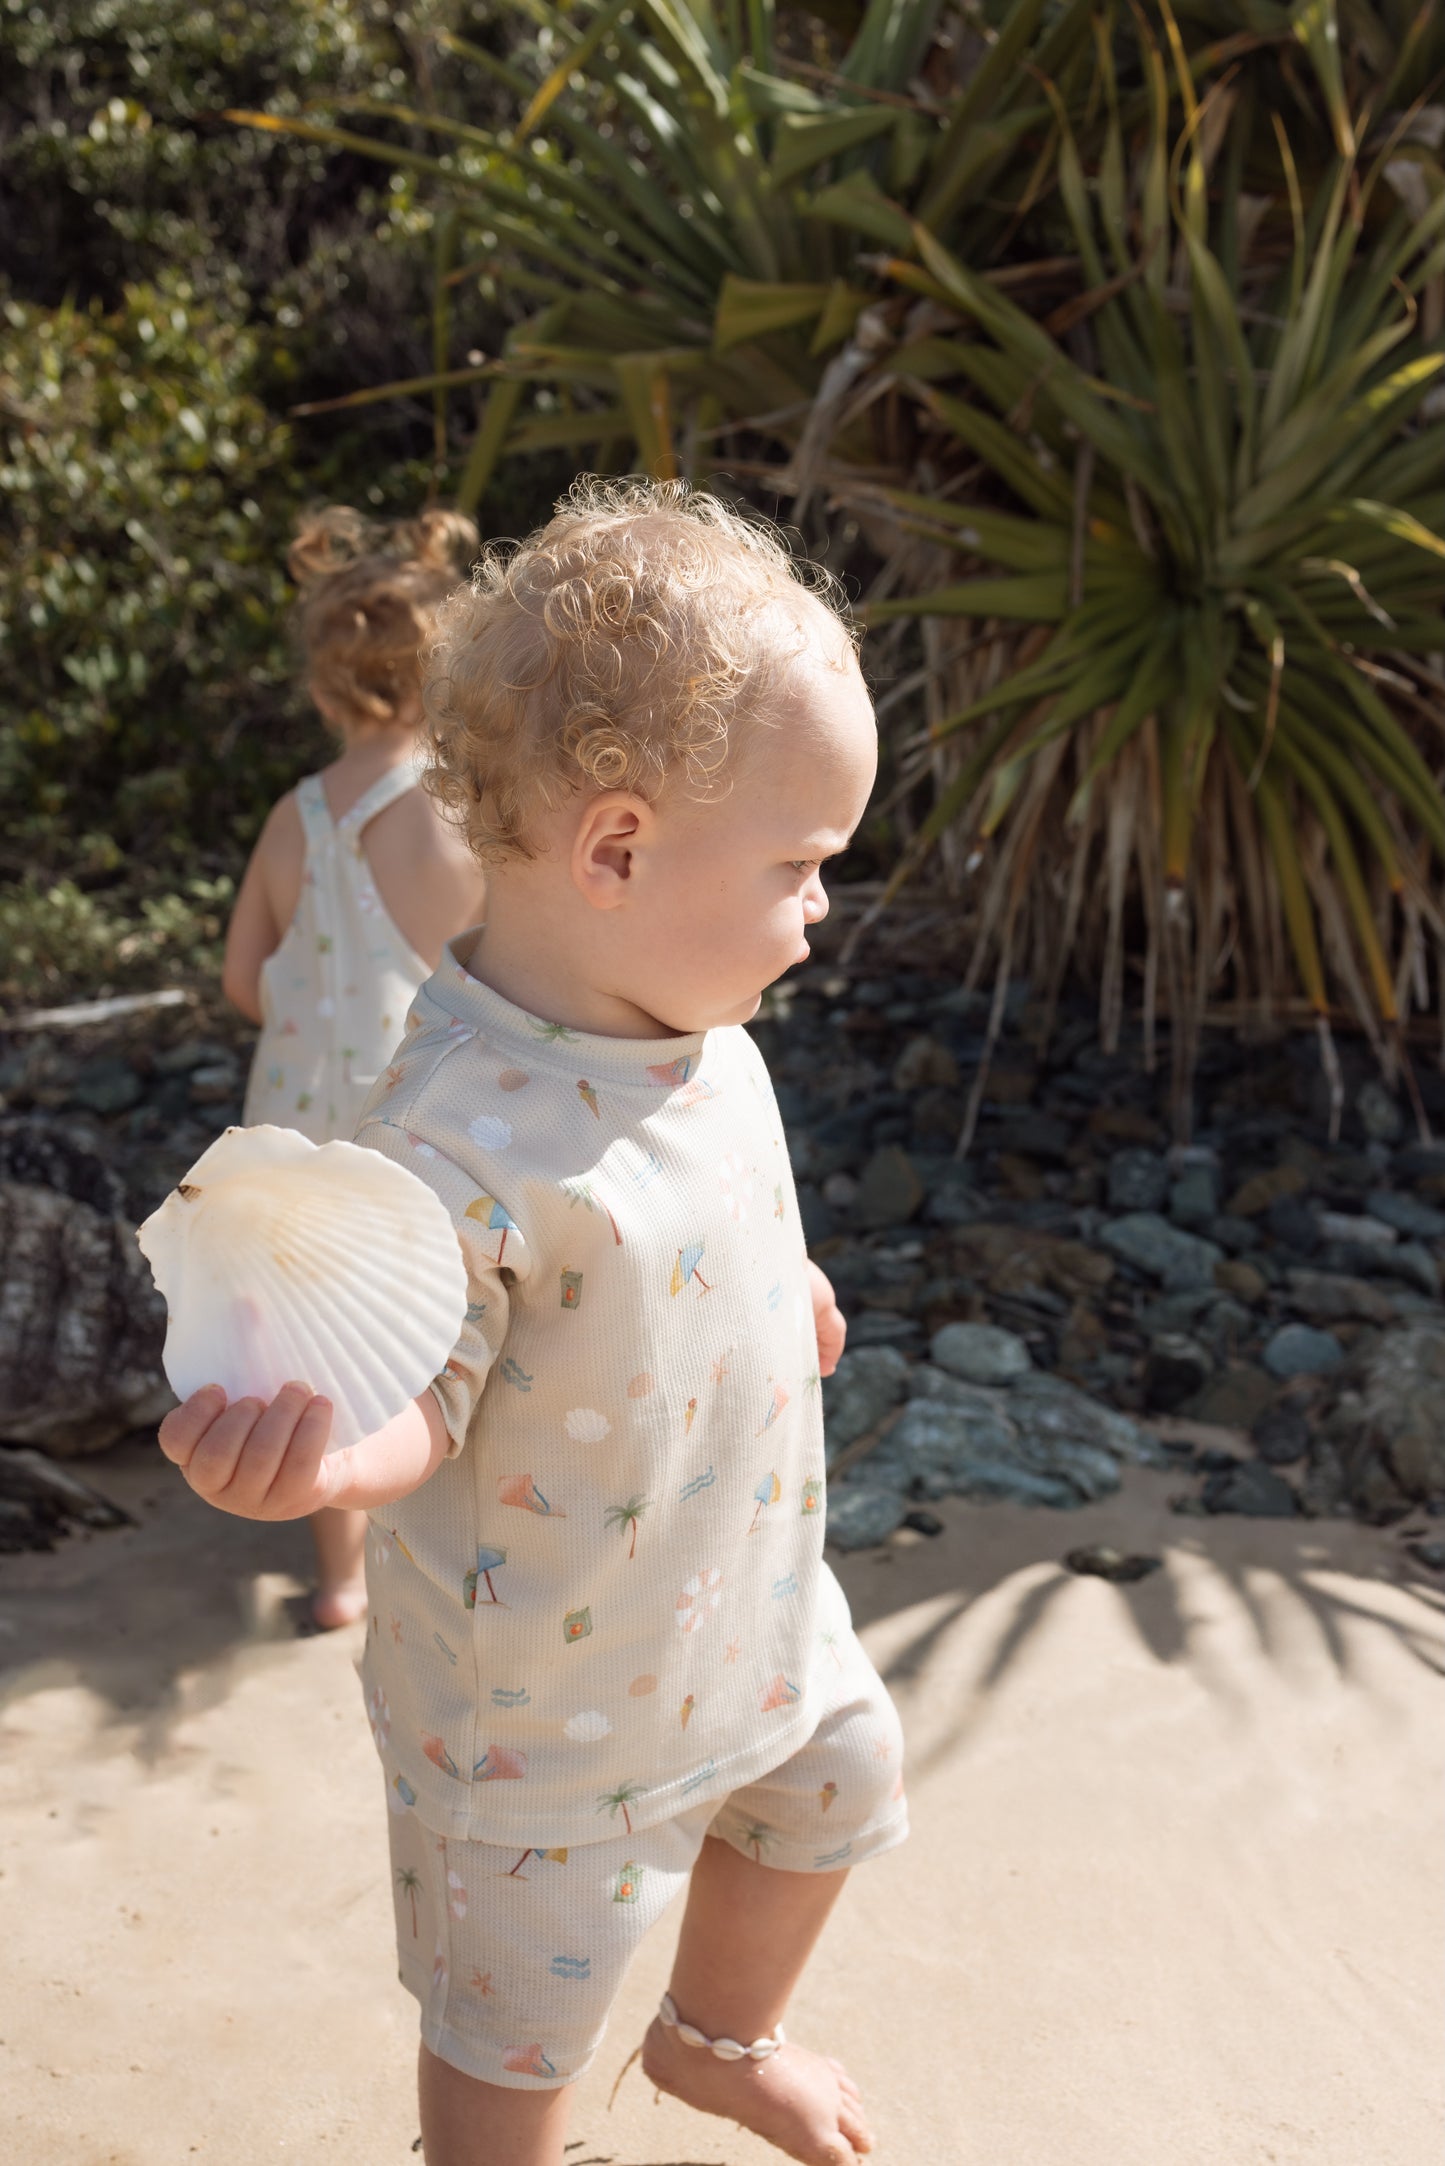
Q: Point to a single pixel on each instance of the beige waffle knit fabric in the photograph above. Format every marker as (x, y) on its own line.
(609, 1604)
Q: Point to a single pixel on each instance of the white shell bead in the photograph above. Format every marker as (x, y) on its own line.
(691, 2035)
(728, 2049)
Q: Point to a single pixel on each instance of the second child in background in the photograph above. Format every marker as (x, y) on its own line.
(356, 882)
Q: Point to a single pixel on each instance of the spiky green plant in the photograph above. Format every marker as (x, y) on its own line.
(690, 213)
(1217, 503)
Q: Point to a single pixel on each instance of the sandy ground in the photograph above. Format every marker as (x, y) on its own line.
(1174, 1895)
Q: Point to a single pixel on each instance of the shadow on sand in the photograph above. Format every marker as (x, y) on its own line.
(151, 1617)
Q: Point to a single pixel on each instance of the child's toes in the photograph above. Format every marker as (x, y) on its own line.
(853, 2125)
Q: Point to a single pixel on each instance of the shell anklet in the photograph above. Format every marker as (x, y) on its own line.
(725, 2049)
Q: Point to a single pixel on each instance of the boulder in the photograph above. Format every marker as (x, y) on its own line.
(980, 1353)
(889, 1190)
(1301, 1350)
(1178, 1260)
(862, 1514)
(1403, 1390)
(868, 1383)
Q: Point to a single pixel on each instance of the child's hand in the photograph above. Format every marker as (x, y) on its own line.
(258, 1461)
(828, 1320)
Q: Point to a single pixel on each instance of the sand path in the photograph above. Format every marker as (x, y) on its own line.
(1174, 1896)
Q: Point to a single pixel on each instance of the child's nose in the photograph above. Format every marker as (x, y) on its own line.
(815, 901)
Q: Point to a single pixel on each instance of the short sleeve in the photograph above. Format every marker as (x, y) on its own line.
(495, 1253)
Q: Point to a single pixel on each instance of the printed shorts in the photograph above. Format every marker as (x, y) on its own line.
(517, 1956)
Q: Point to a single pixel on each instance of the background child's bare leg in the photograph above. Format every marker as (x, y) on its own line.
(340, 1539)
(747, 1932)
(465, 2122)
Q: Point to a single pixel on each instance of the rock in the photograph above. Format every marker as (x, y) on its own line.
(1238, 1235)
(1101, 1561)
(81, 1325)
(921, 1522)
(1358, 1230)
(1252, 1489)
(1138, 1181)
(1415, 1265)
(1407, 1214)
(890, 1191)
(1300, 1350)
(1051, 1412)
(215, 1083)
(1323, 1493)
(1281, 1435)
(1431, 1554)
(1403, 1391)
(1262, 1189)
(936, 1448)
(925, 1064)
(1144, 1239)
(954, 1202)
(882, 1327)
(1379, 1115)
(1324, 1297)
(1194, 1195)
(868, 1383)
(1175, 1368)
(980, 1353)
(1243, 1280)
(1205, 1313)
(862, 1514)
(106, 1085)
(814, 1216)
(840, 1191)
(1235, 1396)
(190, 1053)
(1295, 1224)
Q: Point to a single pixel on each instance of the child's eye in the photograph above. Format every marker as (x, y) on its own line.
(801, 864)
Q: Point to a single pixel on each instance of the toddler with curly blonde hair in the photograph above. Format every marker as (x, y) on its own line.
(615, 1666)
(356, 880)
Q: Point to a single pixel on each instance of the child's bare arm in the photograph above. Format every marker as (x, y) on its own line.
(259, 920)
(270, 1462)
(828, 1320)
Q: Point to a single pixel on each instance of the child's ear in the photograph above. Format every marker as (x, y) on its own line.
(611, 832)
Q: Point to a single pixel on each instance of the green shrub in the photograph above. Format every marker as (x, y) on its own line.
(58, 942)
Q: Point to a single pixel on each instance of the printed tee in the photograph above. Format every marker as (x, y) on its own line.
(609, 1603)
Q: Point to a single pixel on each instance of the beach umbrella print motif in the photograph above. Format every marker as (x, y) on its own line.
(768, 1491)
(489, 1560)
(686, 1269)
(495, 1217)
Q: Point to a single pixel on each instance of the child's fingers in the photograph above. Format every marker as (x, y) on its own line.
(296, 1484)
(263, 1452)
(185, 1425)
(213, 1463)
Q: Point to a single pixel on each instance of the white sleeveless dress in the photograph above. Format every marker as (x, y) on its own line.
(335, 994)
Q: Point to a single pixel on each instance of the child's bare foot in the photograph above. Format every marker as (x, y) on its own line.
(332, 1607)
(809, 2107)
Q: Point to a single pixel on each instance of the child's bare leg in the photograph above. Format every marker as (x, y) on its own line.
(465, 2122)
(340, 1542)
(746, 1934)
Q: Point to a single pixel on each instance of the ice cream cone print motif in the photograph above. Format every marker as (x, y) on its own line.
(768, 1491)
(522, 1491)
(689, 1416)
(686, 1269)
(782, 1692)
(778, 1403)
(700, 1596)
(588, 1097)
(827, 1794)
(527, 2061)
(685, 1712)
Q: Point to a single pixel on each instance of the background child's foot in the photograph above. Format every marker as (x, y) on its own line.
(807, 2106)
(332, 1607)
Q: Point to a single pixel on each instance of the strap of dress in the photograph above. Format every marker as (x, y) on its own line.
(315, 818)
(384, 791)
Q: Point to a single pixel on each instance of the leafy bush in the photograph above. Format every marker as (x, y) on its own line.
(60, 942)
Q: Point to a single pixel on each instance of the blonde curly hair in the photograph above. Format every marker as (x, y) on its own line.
(369, 595)
(616, 647)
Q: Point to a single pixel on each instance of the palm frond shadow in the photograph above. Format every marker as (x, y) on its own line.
(1275, 1574)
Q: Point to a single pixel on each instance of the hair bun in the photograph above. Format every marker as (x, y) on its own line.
(444, 541)
(325, 540)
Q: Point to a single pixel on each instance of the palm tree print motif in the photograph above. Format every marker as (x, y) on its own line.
(613, 1802)
(409, 1882)
(623, 1516)
(552, 1033)
(584, 1193)
(758, 1839)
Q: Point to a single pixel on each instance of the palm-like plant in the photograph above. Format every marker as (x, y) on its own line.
(1214, 514)
(409, 1881)
(613, 1802)
(689, 212)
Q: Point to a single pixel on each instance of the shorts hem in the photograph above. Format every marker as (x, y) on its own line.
(459, 2053)
(790, 1857)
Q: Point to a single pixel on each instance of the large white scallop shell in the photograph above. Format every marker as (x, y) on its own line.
(283, 1260)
